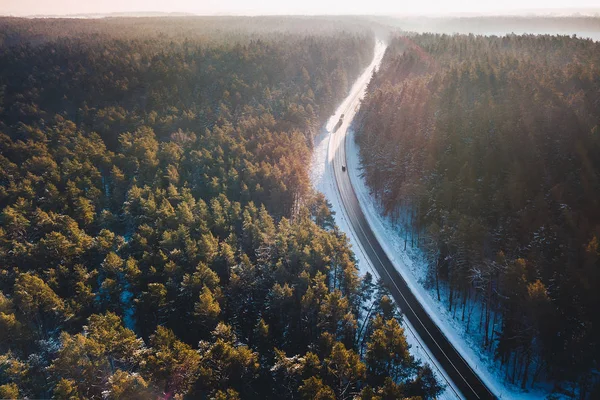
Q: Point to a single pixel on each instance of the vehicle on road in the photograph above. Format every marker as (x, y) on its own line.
(339, 123)
(463, 381)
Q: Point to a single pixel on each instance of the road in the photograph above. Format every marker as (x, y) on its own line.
(464, 379)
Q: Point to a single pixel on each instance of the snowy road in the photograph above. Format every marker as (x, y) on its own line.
(335, 183)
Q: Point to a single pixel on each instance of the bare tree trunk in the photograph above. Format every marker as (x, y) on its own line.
(335, 274)
(412, 233)
(418, 212)
(471, 312)
(450, 295)
(487, 314)
(364, 324)
(481, 313)
(437, 275)
(514, 373)
(487, 324)
(526, 370)
(493, 327)
(465, 298)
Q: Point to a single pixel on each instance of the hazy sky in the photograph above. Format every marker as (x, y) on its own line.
(49, 7)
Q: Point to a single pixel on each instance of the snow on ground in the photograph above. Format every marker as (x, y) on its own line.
(321, 172)
(409, 263)
(323, 181)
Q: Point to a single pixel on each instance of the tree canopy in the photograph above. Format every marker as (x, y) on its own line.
(486, 150)
(159, 237)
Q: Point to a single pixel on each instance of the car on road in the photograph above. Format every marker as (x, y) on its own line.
(339, 123)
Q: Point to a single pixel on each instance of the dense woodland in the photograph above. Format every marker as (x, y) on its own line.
(488, 148)
(158, 235)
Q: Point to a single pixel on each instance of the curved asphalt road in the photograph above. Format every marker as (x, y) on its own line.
(455, 367)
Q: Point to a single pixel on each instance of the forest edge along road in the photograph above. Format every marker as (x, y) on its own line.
(455, 367)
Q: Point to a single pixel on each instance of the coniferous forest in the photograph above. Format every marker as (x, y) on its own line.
(488, 150)
(159, 237)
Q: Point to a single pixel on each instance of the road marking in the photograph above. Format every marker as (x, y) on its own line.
(358, 222)
(353, 214)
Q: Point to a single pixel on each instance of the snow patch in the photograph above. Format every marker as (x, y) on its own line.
(410, 264)
(323, 180)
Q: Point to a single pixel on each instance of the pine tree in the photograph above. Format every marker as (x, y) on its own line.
(314, 389)
(387, 352)
(345, 371)
(171, 364)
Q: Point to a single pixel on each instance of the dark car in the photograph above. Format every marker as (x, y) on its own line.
(339, 123)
